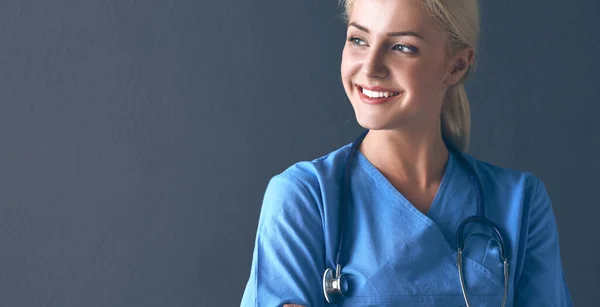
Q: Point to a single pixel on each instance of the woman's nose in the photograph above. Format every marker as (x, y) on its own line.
(374, 65)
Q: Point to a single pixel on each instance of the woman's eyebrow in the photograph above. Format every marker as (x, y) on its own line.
(400, 33)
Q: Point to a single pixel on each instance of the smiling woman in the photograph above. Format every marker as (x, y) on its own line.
(413, 43)
(403, 216)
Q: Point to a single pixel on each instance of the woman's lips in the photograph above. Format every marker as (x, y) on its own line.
(376, 95)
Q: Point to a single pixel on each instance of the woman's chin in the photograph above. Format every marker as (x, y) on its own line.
(372, 122)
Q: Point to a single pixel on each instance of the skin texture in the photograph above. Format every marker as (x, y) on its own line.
(405, 142)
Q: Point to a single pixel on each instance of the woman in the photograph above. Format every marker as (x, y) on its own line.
(410, 185)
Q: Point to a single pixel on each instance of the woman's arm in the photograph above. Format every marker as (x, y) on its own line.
(288, 257)
(542, 281)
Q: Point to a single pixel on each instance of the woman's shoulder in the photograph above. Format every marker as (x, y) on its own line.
(322, 168)
(315, 175)
(502, 179)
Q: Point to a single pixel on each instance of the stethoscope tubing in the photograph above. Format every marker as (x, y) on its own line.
(332, 283)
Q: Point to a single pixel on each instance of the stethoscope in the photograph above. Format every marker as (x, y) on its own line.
(335, 283)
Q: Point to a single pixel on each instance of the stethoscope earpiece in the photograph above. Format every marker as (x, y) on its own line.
(334, 286)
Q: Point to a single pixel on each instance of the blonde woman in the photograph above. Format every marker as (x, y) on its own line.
(403, 216)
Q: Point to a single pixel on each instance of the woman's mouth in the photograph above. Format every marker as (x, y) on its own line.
(376, 95)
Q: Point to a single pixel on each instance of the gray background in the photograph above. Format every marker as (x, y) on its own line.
(137, 137)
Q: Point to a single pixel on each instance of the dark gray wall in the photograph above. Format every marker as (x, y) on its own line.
(137, 137)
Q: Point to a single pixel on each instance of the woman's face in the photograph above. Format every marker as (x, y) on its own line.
(395, 65)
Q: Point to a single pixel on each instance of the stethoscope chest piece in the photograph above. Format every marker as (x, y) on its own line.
(334, 284)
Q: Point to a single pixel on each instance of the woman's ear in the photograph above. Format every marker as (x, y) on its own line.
(460, 64)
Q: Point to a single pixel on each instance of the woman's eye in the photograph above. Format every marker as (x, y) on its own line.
(356, 41)
(406, 49)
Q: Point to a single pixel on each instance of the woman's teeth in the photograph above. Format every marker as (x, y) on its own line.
(373, 94)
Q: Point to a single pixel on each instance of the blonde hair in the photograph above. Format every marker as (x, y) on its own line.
(460, 19)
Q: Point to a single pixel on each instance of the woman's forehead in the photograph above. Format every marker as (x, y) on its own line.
(383, 16)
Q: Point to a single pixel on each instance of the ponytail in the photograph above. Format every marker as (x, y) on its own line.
(456, 117)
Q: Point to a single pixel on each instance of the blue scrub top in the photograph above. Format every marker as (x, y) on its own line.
(395, 255)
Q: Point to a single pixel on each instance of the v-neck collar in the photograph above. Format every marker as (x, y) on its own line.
(387, 185)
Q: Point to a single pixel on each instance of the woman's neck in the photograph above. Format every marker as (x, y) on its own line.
(412, 160)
